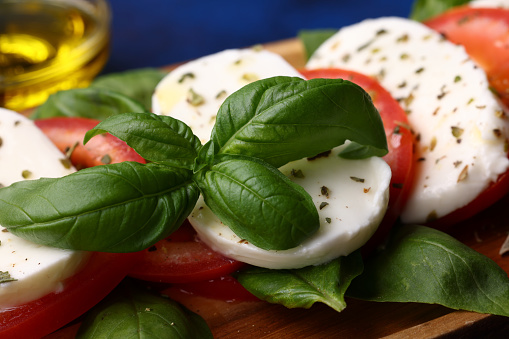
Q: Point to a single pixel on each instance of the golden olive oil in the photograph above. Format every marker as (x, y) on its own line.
(50, 45)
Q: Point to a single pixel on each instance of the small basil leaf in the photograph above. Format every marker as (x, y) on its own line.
(258, 203)
(282, 119)
(303, 287)
(156, 138)
(426, 9)
(90, 103)
(423, 265)
(313, 38)
(132, 312)
(122, 207)
(138, 84)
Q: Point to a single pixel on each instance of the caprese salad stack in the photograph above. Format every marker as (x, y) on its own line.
(244, 144)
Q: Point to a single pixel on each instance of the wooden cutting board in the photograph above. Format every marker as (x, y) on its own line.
(485, 233)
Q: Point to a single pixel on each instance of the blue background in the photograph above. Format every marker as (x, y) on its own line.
(155, 33)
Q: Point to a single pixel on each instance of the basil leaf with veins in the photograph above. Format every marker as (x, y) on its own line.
(282, 119)
(93, 103)
(303, 287)
(156, 138)
(421, 264)
(258, 202)
(132, 312)
(122, 207)
(138, 84)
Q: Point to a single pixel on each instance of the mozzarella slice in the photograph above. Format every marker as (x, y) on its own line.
(194, 91)
(351, 197)
(462, 128)
(489, 3)
(26, 153)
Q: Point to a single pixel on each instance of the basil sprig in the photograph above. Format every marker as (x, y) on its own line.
(129, 206)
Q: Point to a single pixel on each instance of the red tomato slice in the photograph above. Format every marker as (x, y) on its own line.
(102, 272)
(40, 317)
(399, 138)
(225, 288)
(488, 197)
(484, 32)
(182, 258)
(68, 133)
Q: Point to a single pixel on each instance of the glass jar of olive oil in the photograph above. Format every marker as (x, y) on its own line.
(50, 45)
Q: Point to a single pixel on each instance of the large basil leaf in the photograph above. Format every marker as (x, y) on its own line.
(303, 287)
(424, 265)
(138, 84)
(132, 312)
(122, 207)
(90, 103)
(154, 137)
(426, 9)
(313, 38)
(282, 119)
(258, 202)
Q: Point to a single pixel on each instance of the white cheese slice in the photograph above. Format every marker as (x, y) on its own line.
(194, 91)
(462, 129)
(26, 153)
(351, 197)
(489, 3)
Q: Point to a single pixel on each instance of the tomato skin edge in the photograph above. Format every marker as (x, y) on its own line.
(226, 288)
(494, 192)
(195, 262)
(35, 319)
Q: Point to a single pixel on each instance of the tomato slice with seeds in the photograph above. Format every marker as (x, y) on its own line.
(67, 133)
(484, 32)
(399, 139)
(182, 258)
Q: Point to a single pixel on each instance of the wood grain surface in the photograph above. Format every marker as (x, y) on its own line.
(485, 233)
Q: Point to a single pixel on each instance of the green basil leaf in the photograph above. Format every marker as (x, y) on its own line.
(313, 38)
(303, 287)
(426, 9)
(138, 84)
(258, 203)
(155, 137)
(283, 119)
(424, 265)
(90, 103)
(132, 312)
(122, 207)
(205, 158)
